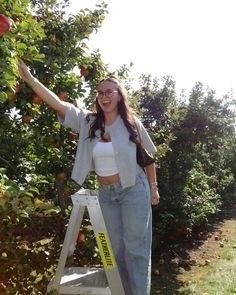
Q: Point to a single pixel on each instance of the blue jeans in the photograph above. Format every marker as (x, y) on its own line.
(128, 218)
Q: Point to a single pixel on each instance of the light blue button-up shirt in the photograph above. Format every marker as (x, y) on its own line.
(124, 148)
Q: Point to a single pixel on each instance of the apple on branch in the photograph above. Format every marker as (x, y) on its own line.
(81, 237)
(61, 176)
(73, 136)
(84, 71)
(50, 139)
(63, 95)
(37, 99)
(2, 287)
(17, 87)
(5, 24)
(26, 119)
(74, 102)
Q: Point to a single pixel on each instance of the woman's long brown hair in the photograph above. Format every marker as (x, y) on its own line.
(124, 110)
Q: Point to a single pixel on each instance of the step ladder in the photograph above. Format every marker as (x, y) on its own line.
(84, 280)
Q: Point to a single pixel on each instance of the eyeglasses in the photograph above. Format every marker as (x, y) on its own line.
(108, 93)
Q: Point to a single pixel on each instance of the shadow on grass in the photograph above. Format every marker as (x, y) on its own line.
(165, 279)
(175, 259)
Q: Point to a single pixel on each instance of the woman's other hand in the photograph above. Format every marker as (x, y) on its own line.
(155, 197)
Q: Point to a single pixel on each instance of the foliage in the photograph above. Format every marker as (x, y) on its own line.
(20, 253)
(158, 111)
(199, 195)
(22, 40)
(37, 153)
(33, 142)
(195, 176)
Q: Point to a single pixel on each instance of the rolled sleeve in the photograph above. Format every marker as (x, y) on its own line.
(73, 117)
(146, 139)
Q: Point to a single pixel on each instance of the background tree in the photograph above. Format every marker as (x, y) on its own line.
(195, 176)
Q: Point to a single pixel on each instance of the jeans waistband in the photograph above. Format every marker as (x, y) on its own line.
(110, 186)
(116, 184)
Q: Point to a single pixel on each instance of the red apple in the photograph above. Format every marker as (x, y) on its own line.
(83, 71)
(2, 287)
(63, 95)
(26, 119)
(17, 87)
(5, 24)
(11, 96)
(36, 99)
(83, 262)
(61, 176)
(73, 136)
(73, 101)
(51, 139)
(80, 238)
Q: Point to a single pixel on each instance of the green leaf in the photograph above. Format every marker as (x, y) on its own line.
(53, 210)
(29, 194)
(57, 125)
(34, 189)
(39, 278)
(38, 202)
(23, 213)
(45, 241)
(21, 46)
(33, 273)
(3, 96)
(4, 255)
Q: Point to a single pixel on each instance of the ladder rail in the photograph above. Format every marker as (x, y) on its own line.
(81, 200)
(74, 223)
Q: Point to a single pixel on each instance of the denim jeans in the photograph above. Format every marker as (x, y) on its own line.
(128, 218)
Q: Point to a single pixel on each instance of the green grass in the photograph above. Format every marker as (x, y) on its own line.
(219, 276)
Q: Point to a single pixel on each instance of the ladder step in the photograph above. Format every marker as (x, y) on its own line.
(83, 280)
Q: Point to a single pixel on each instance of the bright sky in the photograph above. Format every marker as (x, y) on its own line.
(191, 40)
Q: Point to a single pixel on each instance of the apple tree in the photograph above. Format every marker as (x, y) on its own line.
(195, 140)
(34, 143)
(36, 152)
(196, 176)
(19, 35)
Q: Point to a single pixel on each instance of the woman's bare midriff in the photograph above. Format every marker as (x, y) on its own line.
(107, 180)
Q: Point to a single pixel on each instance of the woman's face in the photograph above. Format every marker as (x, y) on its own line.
(108, 97)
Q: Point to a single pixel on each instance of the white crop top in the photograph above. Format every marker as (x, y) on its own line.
(104, 159)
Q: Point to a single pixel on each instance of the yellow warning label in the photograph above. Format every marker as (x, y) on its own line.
(105, 250)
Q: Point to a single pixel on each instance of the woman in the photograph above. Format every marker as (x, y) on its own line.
(107, 145)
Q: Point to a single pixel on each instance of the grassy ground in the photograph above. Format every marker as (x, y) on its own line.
(206, 265)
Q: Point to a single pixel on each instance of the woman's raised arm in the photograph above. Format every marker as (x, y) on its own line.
(50, 98)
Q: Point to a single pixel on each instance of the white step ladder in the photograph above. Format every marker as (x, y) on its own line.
(83, 280)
